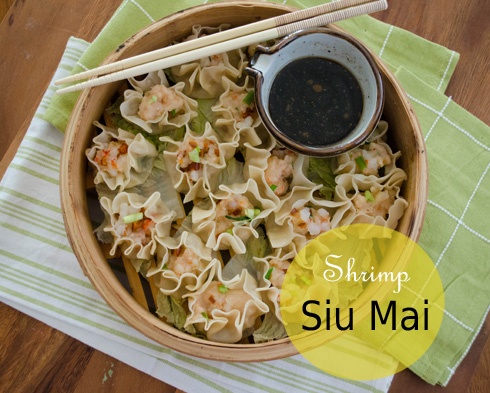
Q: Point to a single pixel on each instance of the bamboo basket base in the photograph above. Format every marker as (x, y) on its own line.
(133, 297)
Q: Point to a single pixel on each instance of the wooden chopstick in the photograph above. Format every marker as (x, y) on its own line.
(226, 35)
(224, 41)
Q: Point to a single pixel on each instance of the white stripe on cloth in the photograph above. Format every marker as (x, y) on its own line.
(449, 121)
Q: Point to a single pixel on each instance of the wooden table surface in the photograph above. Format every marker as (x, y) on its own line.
(33, 34)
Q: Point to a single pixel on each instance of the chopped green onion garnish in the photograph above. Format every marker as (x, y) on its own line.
(205, 315)
(252, 213)
(361, 163)
(369, 197)
(133, 217)
(241, 218)
(273, 187)
(230, 231)
(222, 288)
(194, 154)
(306, 280)
(173, 112)
(249, 98)
(153, 99)
(269, 273)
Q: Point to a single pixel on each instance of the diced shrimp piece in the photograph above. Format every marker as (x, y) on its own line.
(310, 222)
(112, 158)
(158, 100)
(183, 260)
(374, 156)
(238, 105)
(278, 272)
(234, 206)
(193, 154)
(280, 170)
(375, 202)
(139, 231)
(218, 297)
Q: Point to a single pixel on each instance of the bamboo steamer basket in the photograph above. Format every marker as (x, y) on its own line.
(132, 305)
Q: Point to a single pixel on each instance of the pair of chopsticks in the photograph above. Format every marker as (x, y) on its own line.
(239, 37)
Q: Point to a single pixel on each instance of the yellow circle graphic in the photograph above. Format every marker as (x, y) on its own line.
(362, 302)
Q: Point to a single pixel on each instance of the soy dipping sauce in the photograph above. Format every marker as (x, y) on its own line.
(315, 101)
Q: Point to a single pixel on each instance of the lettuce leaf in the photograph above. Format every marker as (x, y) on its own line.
(204, 115)
(174, 311)
(186, 226)
(320, 172)
(233, 172)
(141, 265)
(114, 113)
(256, 247)
(271, 329)
(160, 181)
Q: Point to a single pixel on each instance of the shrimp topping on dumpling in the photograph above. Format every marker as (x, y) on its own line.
(278, 269)
(234, 208)
(113, 157)
(280, 170)
(158, 100)
(374, 202)
(213, 60)
(183, 260)
(139, 229)
(271, 272)
(225, 309)
(135, 222)
(183, 263)
(370, 158)
(196, 162)
(309, 221)
(120, 159)
(218, 296)
(194, 153)
(240, 105)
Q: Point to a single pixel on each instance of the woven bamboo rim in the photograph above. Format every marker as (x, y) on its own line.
(132, 306)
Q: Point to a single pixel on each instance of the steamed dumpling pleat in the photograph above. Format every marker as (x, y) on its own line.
(374, 158)
(302, 217)
(224, 310)
(373, 200)
(271, 271)
(149, 80)
(229, 217)
(120, 158)
(158, 109)
(278, 172)
(195, 163)
(183, 264)
(236, 115)
(203, 78)
(135, 222)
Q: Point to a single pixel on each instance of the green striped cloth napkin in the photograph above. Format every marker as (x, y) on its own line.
(42, 278)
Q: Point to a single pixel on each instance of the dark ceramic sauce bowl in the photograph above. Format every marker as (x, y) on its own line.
(318, 91)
